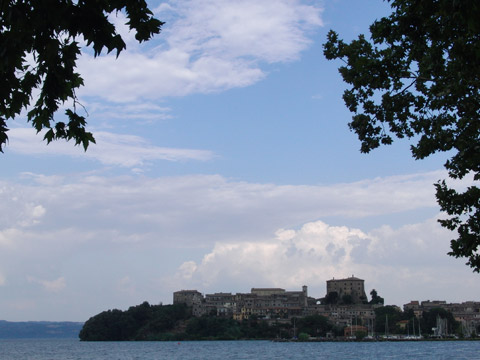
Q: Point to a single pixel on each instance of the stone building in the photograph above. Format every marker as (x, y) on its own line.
(277, 304)
(267, 291)
(414, 305)
(345, 315)
(272, 303)
(351, 286)
(265, 303)
(189, 297)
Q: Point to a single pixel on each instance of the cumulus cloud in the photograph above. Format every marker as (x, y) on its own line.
(400, 263)
(290, 259)
(207, 45)
(110, 149)
(159, 235)
(31, 214)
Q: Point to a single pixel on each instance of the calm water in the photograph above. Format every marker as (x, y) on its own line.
(248, 350)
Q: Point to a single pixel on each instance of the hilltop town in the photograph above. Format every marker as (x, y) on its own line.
(345, 305)
(343, 314)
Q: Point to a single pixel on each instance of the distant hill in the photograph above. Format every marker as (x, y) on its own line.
(39, 329)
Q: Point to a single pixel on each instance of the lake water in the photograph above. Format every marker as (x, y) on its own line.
(69, 349)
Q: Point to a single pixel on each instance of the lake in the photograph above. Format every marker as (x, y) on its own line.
(71, 349)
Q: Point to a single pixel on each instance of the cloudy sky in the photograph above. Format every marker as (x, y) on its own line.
(223, 162)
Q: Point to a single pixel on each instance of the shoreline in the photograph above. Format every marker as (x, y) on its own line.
(378, 340)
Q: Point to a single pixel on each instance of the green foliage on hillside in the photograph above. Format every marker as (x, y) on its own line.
(217, 328)
(316, 326)
(175, 322)
(141, 322)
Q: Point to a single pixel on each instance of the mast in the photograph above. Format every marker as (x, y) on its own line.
(294, 329)
(386, 325)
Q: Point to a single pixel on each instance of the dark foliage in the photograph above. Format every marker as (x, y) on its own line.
(314, 325)
(391, 316)
(175, 322)
(429, 320)
(376, 299)
(419, 78)
(331, 298)
(39, 50)
(142, 322)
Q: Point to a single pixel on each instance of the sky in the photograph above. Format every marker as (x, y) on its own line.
(223, 162)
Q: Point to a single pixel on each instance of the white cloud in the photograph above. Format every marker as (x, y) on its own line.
(55, 286)
(202, 207)
(110, 149)
(272, 31)
(291, 259)
(17, 210)
(147, 112)
(400, 263)
(7, 237)
(207, 45)
(159, 235)
(50, 180)
(37, 211)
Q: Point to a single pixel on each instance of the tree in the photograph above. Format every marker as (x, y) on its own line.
(38, 53)
(314, 325)
(332, 298)
(375, 298)
(347, 299)
(429, 320)
(419, 78)
(386, 319)
(141, 322)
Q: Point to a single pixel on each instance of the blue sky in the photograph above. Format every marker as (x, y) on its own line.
(223, 162)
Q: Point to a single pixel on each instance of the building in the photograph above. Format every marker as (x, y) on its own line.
(414, 306)
(467, 313)
(271, 303)
(277, 304)
(352, 286)
(265, 303)
(188, 297)
(345, 315)
(267, 291)
(353, 330)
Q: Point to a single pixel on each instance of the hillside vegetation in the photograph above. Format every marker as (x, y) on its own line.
(175, 322)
